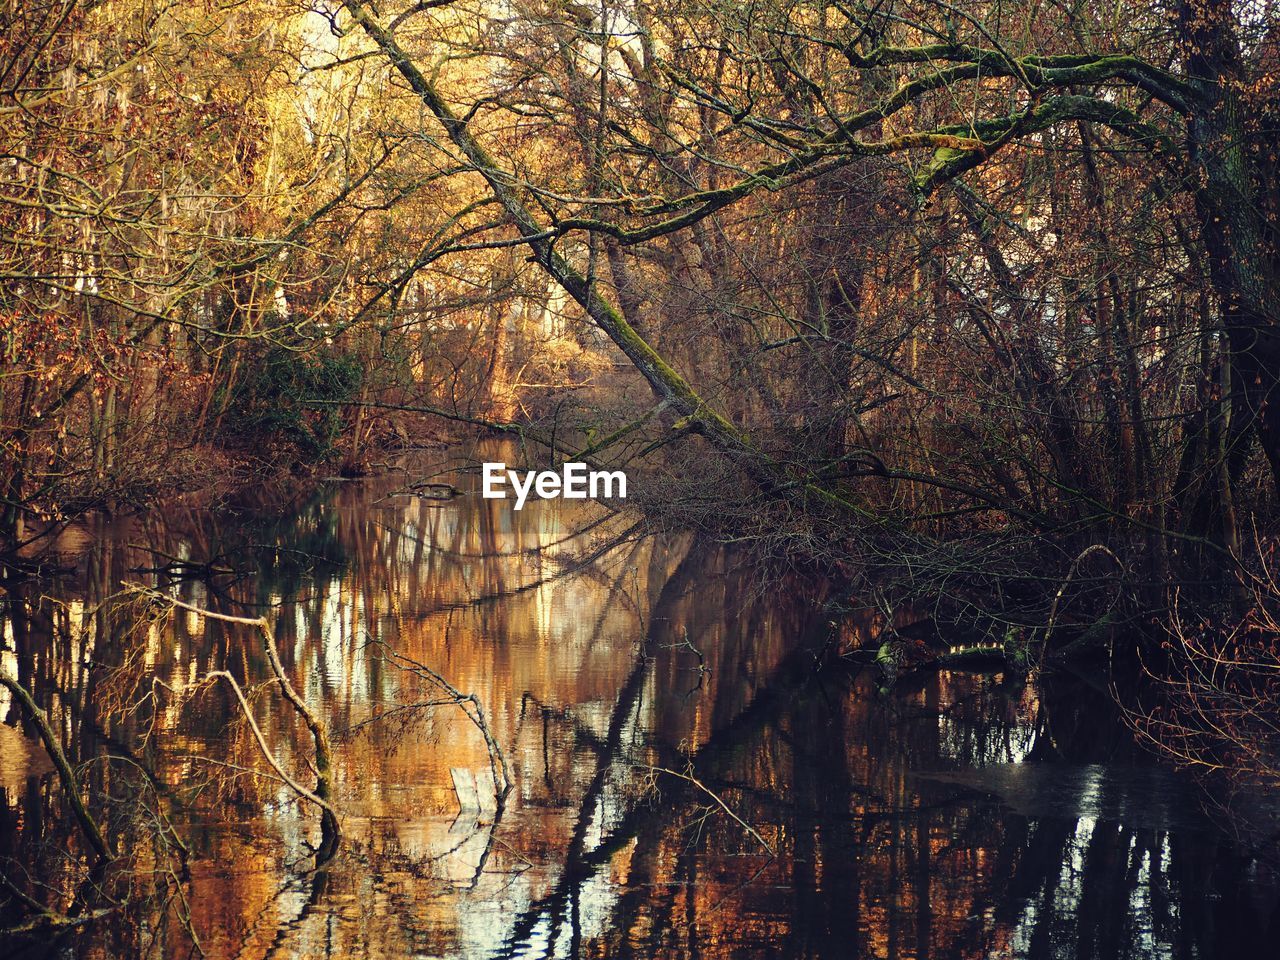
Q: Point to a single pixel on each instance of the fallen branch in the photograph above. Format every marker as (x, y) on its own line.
(330, 829)
(70, 786)
(281, 774)
(1062, 589)
(689, 778)
(469, 704)
(47, 922)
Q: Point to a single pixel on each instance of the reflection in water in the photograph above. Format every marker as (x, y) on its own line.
(929, 823)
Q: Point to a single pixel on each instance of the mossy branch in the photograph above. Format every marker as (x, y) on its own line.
(666, 381)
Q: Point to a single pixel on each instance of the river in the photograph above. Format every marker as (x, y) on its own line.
(690, 777)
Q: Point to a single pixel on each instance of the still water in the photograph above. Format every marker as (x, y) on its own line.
(691, 776)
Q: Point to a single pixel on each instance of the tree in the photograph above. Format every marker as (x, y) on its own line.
(823, 86)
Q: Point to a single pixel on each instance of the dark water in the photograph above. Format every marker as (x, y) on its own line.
(959, 816)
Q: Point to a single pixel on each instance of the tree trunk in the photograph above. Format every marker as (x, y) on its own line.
(696, 414)
(1232, 215)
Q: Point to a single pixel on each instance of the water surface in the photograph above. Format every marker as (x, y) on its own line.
(958, 816)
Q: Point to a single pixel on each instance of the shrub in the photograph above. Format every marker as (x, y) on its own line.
(291, 403)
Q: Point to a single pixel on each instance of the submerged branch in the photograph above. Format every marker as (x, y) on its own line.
(330, 829)
(66, 775)
(469, 704)
(281, 774)
(690, 778)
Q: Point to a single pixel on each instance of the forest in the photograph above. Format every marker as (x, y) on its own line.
(936, 343)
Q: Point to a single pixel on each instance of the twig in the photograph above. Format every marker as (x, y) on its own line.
(1071, 572)
(689, 778)
(330, 830)
(498, 768)
(281, 773)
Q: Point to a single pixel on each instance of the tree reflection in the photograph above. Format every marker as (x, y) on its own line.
(940, 821)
